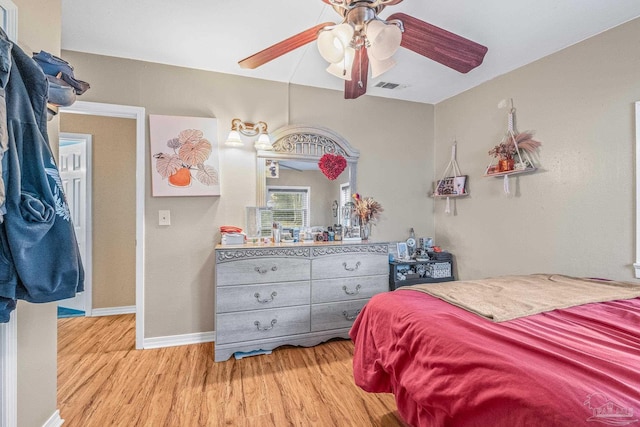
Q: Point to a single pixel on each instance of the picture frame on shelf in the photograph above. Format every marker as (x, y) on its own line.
(451, 186)
(403, 250)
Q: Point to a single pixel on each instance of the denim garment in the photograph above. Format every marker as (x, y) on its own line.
(5, 67)
(51, 64)
(58, 67)
(39, 256)
(60, 93)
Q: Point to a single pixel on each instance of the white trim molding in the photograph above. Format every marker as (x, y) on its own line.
(175, 340)
(9, 372)
(137, 113)
(54, 420)
(10, 19)
(636, 265)
(113, 311)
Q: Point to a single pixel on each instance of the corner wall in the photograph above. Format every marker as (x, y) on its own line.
(576, 214)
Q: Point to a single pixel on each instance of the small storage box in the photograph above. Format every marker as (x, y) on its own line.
(232, 239)
(439, 270)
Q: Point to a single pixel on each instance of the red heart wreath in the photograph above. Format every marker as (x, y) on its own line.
(332, 165)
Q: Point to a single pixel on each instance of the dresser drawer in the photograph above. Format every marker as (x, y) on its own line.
(335, 315)
(262, 270)
(350, 265)
(255, 297)
(348, 288)
(261, 324)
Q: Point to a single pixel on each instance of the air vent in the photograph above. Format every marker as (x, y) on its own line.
(387, 85)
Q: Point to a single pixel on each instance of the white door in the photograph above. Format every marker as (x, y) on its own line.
(74, 162)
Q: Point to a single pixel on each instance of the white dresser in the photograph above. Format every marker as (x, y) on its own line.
(268, 296)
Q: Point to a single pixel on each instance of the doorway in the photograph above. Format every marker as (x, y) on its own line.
(75, 165)
(138, 114)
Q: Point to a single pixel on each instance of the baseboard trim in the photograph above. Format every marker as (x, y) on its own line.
(112, 311)
(54, 420)
(175, 340)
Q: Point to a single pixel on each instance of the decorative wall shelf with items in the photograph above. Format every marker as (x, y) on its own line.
(452, 183)
(514, 154)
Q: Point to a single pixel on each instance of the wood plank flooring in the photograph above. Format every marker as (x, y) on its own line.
(104, 381)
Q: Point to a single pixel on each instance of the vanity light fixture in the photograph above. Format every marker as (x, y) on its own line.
(249, 129)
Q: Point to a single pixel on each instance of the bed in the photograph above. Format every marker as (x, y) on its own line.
(449, 364)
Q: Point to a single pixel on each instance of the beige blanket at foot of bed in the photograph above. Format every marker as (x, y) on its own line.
(509, 297)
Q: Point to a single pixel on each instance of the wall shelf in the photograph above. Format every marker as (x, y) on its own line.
(511, 172)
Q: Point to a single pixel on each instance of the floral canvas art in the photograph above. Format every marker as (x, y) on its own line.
(185, 159)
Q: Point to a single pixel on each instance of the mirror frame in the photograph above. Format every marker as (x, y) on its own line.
(304, 143)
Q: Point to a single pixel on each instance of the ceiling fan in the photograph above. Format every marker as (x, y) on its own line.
(363, 39)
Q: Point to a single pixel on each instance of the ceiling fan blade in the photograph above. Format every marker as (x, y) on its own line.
(442, 46)
(285, 46)
(357, 86)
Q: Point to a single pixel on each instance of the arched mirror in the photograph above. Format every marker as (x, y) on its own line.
(293, 163)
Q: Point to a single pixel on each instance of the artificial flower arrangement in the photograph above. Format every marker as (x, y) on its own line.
(509, 150)
(367, 209)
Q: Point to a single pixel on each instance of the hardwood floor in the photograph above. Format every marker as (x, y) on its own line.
(104, 381)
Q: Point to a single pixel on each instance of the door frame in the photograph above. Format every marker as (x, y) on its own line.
(138, 114)
(87, 139)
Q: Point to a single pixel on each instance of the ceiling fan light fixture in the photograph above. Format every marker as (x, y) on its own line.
(384, 39)
(379, 67)
(343, 68)
(334, 43)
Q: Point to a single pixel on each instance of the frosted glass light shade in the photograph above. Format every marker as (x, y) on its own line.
(263, 142)
(333, 43)
(343, 68)
(233, 140)
(385, 39)
(379, 67)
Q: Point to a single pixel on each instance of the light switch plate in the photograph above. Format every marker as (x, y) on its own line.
(164, 217)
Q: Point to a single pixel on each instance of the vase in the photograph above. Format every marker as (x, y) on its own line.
(505, 165)
(365, 231)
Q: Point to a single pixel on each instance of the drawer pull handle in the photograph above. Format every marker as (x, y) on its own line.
(350, 316)
(267, 328)
(264, 301)
(348, 292)
(265, 270)
(344, 264)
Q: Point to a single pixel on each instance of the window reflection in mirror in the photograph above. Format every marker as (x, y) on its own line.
(301, 196)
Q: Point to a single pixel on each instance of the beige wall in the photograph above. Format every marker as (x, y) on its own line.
(114, 205)
(576, 214)
(38, 29)
(179, 262)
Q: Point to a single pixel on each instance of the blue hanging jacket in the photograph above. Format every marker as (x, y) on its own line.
(39, 255)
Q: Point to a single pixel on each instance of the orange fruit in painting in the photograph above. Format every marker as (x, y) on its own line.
(182, 178)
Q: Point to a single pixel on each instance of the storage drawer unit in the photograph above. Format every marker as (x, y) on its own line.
(260, 324)
(268, 296)
(404, 273)
(335, 315)
(257, 297)
(342, 289)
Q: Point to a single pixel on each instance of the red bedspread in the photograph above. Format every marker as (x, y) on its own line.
(448, 367)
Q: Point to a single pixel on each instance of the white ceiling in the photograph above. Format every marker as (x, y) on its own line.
(215, 34)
